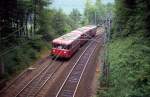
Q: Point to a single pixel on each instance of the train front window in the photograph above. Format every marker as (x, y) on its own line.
(60, 46)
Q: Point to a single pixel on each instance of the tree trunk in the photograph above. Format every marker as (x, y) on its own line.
(2, 70)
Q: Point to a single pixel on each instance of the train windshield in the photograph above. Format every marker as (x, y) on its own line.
(60, 46)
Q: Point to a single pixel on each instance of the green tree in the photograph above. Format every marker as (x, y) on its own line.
(18, 24)
(59, 23)
(90, 12)
(96, 13)
(76, 17)
(129, 51)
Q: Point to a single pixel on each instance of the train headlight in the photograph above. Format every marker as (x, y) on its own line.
(53, 50)
(65, 52)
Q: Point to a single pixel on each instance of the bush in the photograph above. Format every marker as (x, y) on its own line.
(129, 68)
(24, 56)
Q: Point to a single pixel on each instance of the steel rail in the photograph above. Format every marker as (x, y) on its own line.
(47, 80)
(12, 82)
(46, 68)
(72, 70)
(83, 72)
(17, 78)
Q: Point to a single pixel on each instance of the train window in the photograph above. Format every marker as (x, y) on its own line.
(69, 46)
(64, 47)
(60, 46)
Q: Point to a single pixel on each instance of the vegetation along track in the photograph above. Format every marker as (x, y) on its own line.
(32, 87)
(21, 76)
(71, 83)
(22, 79)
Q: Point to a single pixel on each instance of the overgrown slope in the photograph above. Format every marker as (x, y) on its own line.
(129, 68)
(129, 51)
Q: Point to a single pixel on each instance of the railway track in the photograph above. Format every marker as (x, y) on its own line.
(71, 83)
(29, 88)
(22, 75)
(33, 87)
(36, 84)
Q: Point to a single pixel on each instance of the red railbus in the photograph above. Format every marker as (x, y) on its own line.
(66, 45)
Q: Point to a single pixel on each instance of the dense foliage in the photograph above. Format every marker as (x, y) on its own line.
(26, 29)
(75, 17)
(129, 51)
(97, 13)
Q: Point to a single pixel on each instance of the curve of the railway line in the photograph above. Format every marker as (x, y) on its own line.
(69, 81)
(31, 81)
(53, 78)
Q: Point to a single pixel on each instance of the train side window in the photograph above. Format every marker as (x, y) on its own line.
(86, 35)
(69, 47)
(82, 36)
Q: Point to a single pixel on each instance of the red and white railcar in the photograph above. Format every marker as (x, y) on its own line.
(92, 29)
(83, 38)
(88, 31)
(66, 45)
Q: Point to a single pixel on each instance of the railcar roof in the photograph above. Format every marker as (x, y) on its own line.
(83, 29)
(91, 26)
(77, 31)
(70, 36)
(67, 38)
